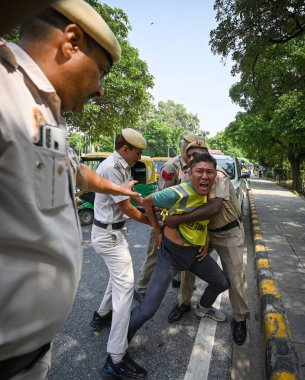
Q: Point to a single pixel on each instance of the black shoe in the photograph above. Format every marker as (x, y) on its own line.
(239, 332)
(176, 283)
(178, 312)
(98, 322)
(138, 296)
(125, 369)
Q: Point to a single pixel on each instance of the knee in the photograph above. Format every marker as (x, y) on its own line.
(148, 311)
(223, 284)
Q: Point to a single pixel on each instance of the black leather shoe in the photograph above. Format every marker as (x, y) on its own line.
(176, 283)
(239, 332)
(138, 296)
(178, 312)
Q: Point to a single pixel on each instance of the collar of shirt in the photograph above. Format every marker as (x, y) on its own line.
(30, 67)
(17, 57)
(183, 164)
(119, 158)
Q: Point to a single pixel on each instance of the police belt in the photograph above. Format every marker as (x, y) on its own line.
(114, 226)
(12, 366)
(228, 226)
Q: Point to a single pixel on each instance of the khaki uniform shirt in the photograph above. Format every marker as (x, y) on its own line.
(230, 209)
(40, 237)
(116, 170)
(171, 172)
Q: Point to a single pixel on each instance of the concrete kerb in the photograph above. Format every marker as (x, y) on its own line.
(280, 359)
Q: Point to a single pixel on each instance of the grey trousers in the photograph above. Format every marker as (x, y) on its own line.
(173, 258)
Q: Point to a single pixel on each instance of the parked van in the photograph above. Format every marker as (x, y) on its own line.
(232, 167)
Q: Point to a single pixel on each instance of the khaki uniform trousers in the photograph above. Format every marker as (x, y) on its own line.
(148, 265)
(229, 245)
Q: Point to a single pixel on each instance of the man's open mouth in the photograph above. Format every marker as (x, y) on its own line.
(203, 185)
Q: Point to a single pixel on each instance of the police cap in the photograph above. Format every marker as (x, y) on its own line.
(190, 137)
(199, 144)
(82, 14)
(134, 138)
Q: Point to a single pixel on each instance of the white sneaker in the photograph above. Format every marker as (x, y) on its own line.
(210, 312)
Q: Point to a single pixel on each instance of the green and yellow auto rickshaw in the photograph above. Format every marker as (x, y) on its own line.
(143, 172)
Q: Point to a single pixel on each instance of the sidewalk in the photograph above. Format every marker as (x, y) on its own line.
(278, 218)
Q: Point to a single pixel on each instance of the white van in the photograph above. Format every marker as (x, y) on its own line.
(231, 165)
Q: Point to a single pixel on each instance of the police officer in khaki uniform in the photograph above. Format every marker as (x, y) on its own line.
(227, 237)
(40, 236)
(170, 175)
(108, 240)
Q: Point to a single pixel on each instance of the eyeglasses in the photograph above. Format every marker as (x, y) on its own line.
(139, 152)
(102, 82)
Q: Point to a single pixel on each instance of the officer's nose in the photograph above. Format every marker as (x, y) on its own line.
(100, 93)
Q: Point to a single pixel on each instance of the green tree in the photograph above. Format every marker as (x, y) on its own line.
(169, 121)
(77, 142)
(267, 44)
(221, 142)
(176, 116)
(288, 128)
(247, 27)
(253, 135)
(159, 138)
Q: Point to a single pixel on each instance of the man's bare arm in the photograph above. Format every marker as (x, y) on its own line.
(99, 184)
(151, 215)
(203, 212)
(128, 209)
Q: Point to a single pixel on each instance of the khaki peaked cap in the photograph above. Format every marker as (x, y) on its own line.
(190, 137)
(82, 14)
(200, 144)
(134, 138)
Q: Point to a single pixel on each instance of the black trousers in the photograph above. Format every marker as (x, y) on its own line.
(171, 259)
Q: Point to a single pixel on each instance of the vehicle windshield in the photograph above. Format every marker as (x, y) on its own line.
(227, 164)
(158, 165)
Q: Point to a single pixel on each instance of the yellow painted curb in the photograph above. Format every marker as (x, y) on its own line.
(267, 286)
(260, 248)
(275, 326)
(258, 237)
(256, 228)
(263, 263)
(283, 376)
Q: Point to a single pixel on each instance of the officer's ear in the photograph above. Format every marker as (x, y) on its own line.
(73, 40)
(125, 148)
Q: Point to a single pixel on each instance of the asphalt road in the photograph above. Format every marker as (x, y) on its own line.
(163, 349)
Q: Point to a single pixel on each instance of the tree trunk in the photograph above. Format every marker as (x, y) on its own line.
(296, 172)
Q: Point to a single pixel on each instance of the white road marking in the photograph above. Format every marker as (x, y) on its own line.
(199, 364)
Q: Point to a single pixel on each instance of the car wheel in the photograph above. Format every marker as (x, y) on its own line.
(86, 216)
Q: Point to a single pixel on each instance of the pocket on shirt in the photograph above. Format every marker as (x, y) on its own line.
(51, 179)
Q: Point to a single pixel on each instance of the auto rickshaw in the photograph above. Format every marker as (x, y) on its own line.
(143, 172)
